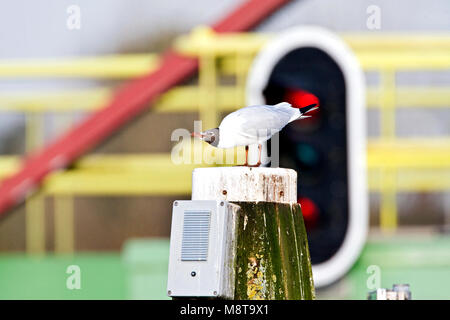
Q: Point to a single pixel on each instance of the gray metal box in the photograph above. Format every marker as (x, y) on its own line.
(202, 249)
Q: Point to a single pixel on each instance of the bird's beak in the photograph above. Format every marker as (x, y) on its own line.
(197, 135)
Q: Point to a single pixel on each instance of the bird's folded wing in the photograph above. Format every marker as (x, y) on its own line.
(260, 120)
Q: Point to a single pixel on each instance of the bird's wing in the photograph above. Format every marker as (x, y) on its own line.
(252, 121)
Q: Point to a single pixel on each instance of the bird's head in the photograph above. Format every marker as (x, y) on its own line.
(210, 136)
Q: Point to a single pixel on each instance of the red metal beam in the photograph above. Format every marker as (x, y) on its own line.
(127, 103)
(248, 15)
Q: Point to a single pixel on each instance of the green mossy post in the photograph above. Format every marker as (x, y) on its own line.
(272, 256)
(269, 256)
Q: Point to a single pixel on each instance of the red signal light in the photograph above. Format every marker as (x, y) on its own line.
(301, 98)
(310, 212)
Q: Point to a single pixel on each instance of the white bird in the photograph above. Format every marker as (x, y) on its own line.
(253, 125)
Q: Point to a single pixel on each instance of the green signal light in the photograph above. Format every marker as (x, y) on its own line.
(307, 154)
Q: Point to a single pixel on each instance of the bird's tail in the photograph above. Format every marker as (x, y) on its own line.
(307, 109)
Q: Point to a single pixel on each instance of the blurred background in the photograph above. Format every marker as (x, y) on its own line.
(110, 212)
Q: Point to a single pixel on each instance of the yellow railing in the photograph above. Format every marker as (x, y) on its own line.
(114, 66)
(395, 165)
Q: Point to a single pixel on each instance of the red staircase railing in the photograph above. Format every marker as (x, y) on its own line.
(127, 103)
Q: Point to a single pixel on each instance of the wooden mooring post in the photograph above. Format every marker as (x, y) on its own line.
(270, 249)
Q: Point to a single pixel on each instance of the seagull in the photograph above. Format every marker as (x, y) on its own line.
(253, 125)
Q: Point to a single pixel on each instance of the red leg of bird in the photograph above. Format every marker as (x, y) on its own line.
(259, 158)
(246, 156)
(259, 155)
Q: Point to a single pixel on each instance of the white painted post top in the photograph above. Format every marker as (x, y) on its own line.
(245, 184)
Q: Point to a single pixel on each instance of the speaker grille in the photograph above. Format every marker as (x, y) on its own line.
(195, 241)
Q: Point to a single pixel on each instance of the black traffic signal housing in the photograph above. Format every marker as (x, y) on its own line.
(327, 150)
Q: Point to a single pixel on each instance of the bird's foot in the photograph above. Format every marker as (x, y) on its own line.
(249, 165)
(242, 165)
(254, 165)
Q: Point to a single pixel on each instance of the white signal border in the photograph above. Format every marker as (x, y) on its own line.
(310, 36)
